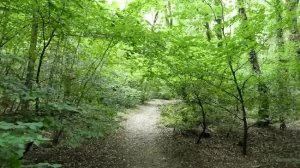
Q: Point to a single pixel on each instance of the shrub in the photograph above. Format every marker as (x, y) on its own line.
(13, 141)
(180, 116)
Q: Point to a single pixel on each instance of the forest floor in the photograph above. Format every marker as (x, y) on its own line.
(139, 143)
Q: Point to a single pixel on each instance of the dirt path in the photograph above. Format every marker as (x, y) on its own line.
(142, 136)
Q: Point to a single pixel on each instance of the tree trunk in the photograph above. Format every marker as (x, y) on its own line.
(37, 80)
(31, 60)
(283, 92)
(219, 30)
(168, 13)
(203, 117)
(263, 90)
(242, 103)
(208, 31)
(295, 35)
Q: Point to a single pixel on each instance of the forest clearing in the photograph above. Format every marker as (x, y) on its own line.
(149, 83)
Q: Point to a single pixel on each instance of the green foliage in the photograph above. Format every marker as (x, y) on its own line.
(164, 92)
(79, 77)
(186, 117)
(14, 138)
(122, 96)
(94, 122)
(181, 116)
(294, 161)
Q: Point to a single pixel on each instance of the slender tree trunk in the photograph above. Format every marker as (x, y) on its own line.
(42, 56)
(263, 90)
(31, 60)
(279, 31)
(242, 103)
(240, 98)
(219, 20)
(203, 117)
(41, 62)
(30, 70)
(208, 31)
(219, 30)
(283, 92)
(168, 13)
(295, 35)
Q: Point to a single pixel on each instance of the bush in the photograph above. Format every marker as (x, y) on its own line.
(181, 116)
(13, 141)
(121, 96)
(71, 125)
(187, 118)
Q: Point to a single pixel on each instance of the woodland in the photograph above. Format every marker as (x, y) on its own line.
(71, 69)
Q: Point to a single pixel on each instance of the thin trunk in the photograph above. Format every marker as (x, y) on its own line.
(262, 87)
(30, 70)
(279, 31)
(203, 117)
(295, 35)
(41, 62)
(241, 100)
(219, 30)
(42, 56)
(67, 79)
(283, 93)
(219, 20)
(208, 31)
(168, 13)
(155, 20)
(31, 60)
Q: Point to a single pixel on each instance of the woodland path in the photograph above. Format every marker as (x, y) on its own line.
(141, 135)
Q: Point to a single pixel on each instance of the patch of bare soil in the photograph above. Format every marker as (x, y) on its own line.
(141, 144)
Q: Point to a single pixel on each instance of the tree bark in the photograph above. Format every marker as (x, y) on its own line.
(283, 92)
(219, 20)
(200, 104)
(208, 31)
(242, 103)
(30, 70)
(263, 90)
(295, 35)
(31, 60)
(168, 13)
